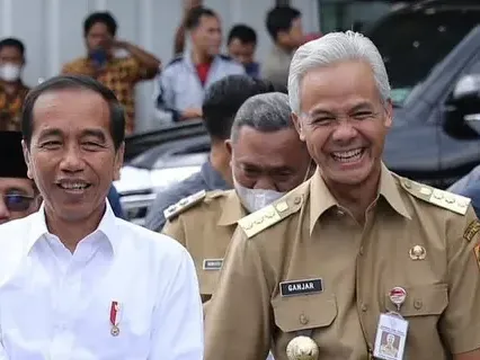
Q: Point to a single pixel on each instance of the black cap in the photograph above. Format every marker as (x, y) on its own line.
(12, 162)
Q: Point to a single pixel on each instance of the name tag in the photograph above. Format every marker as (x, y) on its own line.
(301, 287)
(212, 264)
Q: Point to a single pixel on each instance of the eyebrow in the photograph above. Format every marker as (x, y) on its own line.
(14, 189)
(50, 132)
(95, 133)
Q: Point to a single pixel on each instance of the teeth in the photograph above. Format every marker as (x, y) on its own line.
(74, 186)
(351, 155)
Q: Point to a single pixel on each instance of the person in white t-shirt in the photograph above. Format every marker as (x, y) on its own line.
(76, 282)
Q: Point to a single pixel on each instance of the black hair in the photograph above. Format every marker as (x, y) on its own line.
(223, 99)
(100, 17)
(244, 33)
(195, 16)
(75, 82)
(14, 43)
(280, 19)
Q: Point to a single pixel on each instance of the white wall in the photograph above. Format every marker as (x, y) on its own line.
(52, 31)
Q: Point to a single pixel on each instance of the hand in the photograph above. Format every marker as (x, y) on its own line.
(119, 44)
(191, 113)
(191, 4)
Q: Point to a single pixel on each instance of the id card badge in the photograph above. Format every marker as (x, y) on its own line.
(391, 337)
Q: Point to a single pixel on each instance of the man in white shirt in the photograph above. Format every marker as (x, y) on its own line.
(75, 281)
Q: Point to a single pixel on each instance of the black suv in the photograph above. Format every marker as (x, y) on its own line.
(431, 50)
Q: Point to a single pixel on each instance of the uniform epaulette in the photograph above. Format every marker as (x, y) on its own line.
(444, 199)
(186, 203)
(226, 57)
(262, 219)
(176, 59)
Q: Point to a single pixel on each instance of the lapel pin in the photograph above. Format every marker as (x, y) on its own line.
(115, 318)
(398, 296)
(417, 253)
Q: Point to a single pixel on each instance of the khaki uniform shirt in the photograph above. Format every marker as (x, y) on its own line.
(205, 226)
(304, 266)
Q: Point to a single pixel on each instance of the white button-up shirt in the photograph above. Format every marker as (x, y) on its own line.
(58, 305)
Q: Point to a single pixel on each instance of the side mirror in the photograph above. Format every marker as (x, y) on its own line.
(462, 118)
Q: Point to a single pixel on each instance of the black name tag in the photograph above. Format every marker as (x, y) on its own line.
(301, 287)
(212, 264)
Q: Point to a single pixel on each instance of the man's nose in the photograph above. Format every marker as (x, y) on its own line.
(344, 132)
(72, 161)
(4, 212)
(265, 183)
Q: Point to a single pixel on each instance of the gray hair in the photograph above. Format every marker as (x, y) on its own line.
(267, 112)
(332, 48)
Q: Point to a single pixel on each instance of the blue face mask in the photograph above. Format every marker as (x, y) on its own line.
(99, 57)
(256, 199)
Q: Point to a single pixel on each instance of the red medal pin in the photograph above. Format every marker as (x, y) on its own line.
(114, 318)
(398, 296)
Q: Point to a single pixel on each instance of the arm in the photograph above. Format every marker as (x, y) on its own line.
(179, 41)
(164, 97)
(178, 320)
(238, 320)
(175, 230)
(460, 322)
(148, 62)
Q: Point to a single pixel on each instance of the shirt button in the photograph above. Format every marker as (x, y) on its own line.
(361, 251)
(417, 304)
(340, 212)
(303, 319)
(364, 307)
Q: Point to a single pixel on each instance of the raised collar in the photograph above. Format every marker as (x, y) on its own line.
(321, 199)
(232, 209)
(107, 227)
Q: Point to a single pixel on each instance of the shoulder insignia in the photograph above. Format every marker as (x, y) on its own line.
(471, 230)
(186, 203)
(215, 194)
(444, 199)
(262, 219)
(226, 57)
(176, 59)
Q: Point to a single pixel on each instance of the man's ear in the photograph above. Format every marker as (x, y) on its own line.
(388, 114)
(26, 156)
(297, 122)
(120, 153)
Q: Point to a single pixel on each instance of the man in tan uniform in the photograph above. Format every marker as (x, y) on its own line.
(268, 159)
(312, 273)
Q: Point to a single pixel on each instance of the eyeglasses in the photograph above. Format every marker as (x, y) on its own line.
(17, 202)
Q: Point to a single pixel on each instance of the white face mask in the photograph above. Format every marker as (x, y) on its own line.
(256, 199)
(10, 72)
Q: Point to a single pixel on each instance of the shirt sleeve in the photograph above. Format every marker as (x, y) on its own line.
(138, 72)
(175, 230)
(178, 319)
(165, 98)
(460, 323)
(238, 320)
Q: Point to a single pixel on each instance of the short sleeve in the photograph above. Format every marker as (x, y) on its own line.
(175, 230)
(460, 323)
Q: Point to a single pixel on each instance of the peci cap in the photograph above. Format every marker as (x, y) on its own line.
(12, 162)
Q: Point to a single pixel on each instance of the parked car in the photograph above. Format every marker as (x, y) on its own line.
(428, 48)
(154, 160)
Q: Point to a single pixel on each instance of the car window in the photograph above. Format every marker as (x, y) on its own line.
(412, 44)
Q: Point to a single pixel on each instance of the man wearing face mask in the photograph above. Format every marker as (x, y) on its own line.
(12, 89)
(268, 160)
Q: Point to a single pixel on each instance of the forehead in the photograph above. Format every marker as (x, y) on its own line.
(98, 28)
(10, 51)
(70, 110)
(15, 183)
(342, 83)
(208, 21)
(236, 43)
(271, 148)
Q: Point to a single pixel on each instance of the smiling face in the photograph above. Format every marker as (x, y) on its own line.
(343, 121)
(72, 157)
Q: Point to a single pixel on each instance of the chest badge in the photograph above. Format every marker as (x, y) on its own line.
(397, 296)
(301, 287)
(417, 253)
(115, 312)
(302, 348)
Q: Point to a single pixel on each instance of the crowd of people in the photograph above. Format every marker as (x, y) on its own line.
(294, 241)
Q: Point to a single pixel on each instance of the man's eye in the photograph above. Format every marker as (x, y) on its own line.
(362, 115)
(51, 144)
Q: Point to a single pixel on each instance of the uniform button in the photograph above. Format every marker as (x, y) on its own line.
(297, 200)
(340, 212)
(361, 251)
(364, 307)
(417, 304)
(303, 319)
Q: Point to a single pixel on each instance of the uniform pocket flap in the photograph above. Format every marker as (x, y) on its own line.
(304, 312)
(422, 300)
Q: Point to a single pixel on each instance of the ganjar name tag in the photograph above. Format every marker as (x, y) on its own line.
(212, 264)
(301, 287)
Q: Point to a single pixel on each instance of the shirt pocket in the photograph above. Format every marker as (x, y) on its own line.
(307, 312)
(421, 301)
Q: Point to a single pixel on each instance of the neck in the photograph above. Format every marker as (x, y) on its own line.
(10, 87)
(200, 57)
(221, 162)
(285, 48)
(359, 197)
(70, 232)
